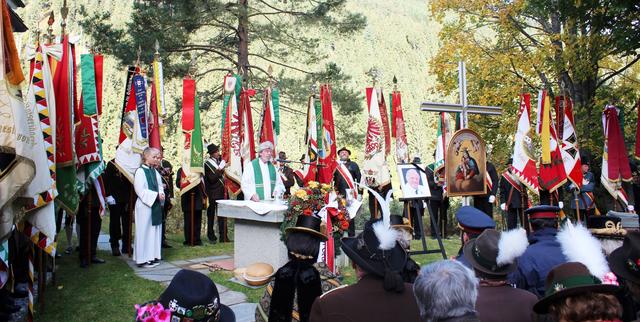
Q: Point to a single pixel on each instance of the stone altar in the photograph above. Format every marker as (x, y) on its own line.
(256, 236)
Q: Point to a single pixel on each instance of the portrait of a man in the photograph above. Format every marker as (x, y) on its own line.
(413, 182)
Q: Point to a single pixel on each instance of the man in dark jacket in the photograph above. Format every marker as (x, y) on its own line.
(439, 202)
(214, 183)
(118, 190)
(512, 198)
(286, 174)
(485, 202)
(583, 196)
(166, 172)
(544, 251)
(491, 265)
(472, 222)
(380, 294)
(192, 202)
(345, 178)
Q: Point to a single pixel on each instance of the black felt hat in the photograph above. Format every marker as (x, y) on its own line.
(212, 148)
(344, 148)
(482, 253)
(569, 279)
(310, 225)
(192, 296)
(625, 261)
(400, 222)
(365, 250)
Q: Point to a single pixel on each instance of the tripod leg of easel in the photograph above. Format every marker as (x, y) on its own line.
(434, 222)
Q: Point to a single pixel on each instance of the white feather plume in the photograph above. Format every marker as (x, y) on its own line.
(578, 245)
(385, 235)
(511, 245)
(385, 204)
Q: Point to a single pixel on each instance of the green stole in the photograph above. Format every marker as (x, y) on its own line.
(152, 183)
(257, 174)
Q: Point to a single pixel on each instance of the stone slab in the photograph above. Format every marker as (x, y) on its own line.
(276, 216)
(232, 297)
(245, 312)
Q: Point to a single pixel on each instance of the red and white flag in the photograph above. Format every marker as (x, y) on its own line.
(398, 129)
(569, 150)
(327, 153)
(551, 173)
(615, 164)
(375, 169)
(524, 165)
(231, 136)
(267, 121)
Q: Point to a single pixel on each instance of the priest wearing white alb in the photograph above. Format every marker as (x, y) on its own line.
(260, 180)
(148, 210)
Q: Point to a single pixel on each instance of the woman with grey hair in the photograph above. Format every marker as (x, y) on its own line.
(446, 291)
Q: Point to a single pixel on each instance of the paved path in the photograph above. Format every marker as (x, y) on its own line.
(164, 272)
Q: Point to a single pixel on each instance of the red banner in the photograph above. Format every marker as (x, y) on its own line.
(398, 128)
(188, 103)
(154, 124)
(328, 153)
(385, 124)
(65, 106)
(267, 132)
(618, 163)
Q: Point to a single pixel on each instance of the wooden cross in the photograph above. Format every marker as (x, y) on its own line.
(463, 107)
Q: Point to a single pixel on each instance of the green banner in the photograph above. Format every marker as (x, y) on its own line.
(197, 161)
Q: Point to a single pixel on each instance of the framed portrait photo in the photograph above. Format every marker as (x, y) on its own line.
(413, 182)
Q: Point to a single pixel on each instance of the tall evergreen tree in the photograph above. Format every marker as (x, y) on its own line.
(240, 35)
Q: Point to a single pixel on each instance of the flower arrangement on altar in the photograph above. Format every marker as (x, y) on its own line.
(152, 312)
(310, 200)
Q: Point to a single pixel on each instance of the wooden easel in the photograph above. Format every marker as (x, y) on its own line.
(434, 223)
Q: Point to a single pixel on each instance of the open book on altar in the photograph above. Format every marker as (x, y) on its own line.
(260, 208)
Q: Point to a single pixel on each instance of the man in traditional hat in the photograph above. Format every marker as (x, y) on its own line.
(492, 256)
(214, 185)
(118, 190)
(345, 177)
(259, 178)
(472, 222)
(403, 227)
(286, 174)
(625, 263)
(544, 251)
(380, 294)
(513, 197)
(583, 197)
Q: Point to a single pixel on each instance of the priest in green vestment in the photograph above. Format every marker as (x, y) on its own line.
(260, 178)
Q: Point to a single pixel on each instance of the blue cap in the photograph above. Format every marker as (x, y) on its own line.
(543, 212)
(473, 221)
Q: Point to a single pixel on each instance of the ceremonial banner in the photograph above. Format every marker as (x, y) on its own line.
(267, 121)
(231, 135)
(310, 168)
(88, 142)
(247, 145)
(615, 164)
(158, 83)
(524, 164)
(192, 154)
(375, 169)
(398, 129)
(384, 118)
(133, 137)
(551, 173)
(327, 150)
(637, 150)
(154, 120)
(65, 100)
(17, 131)
(570, 151)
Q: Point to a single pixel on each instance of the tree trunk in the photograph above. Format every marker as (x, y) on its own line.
(243, 35)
